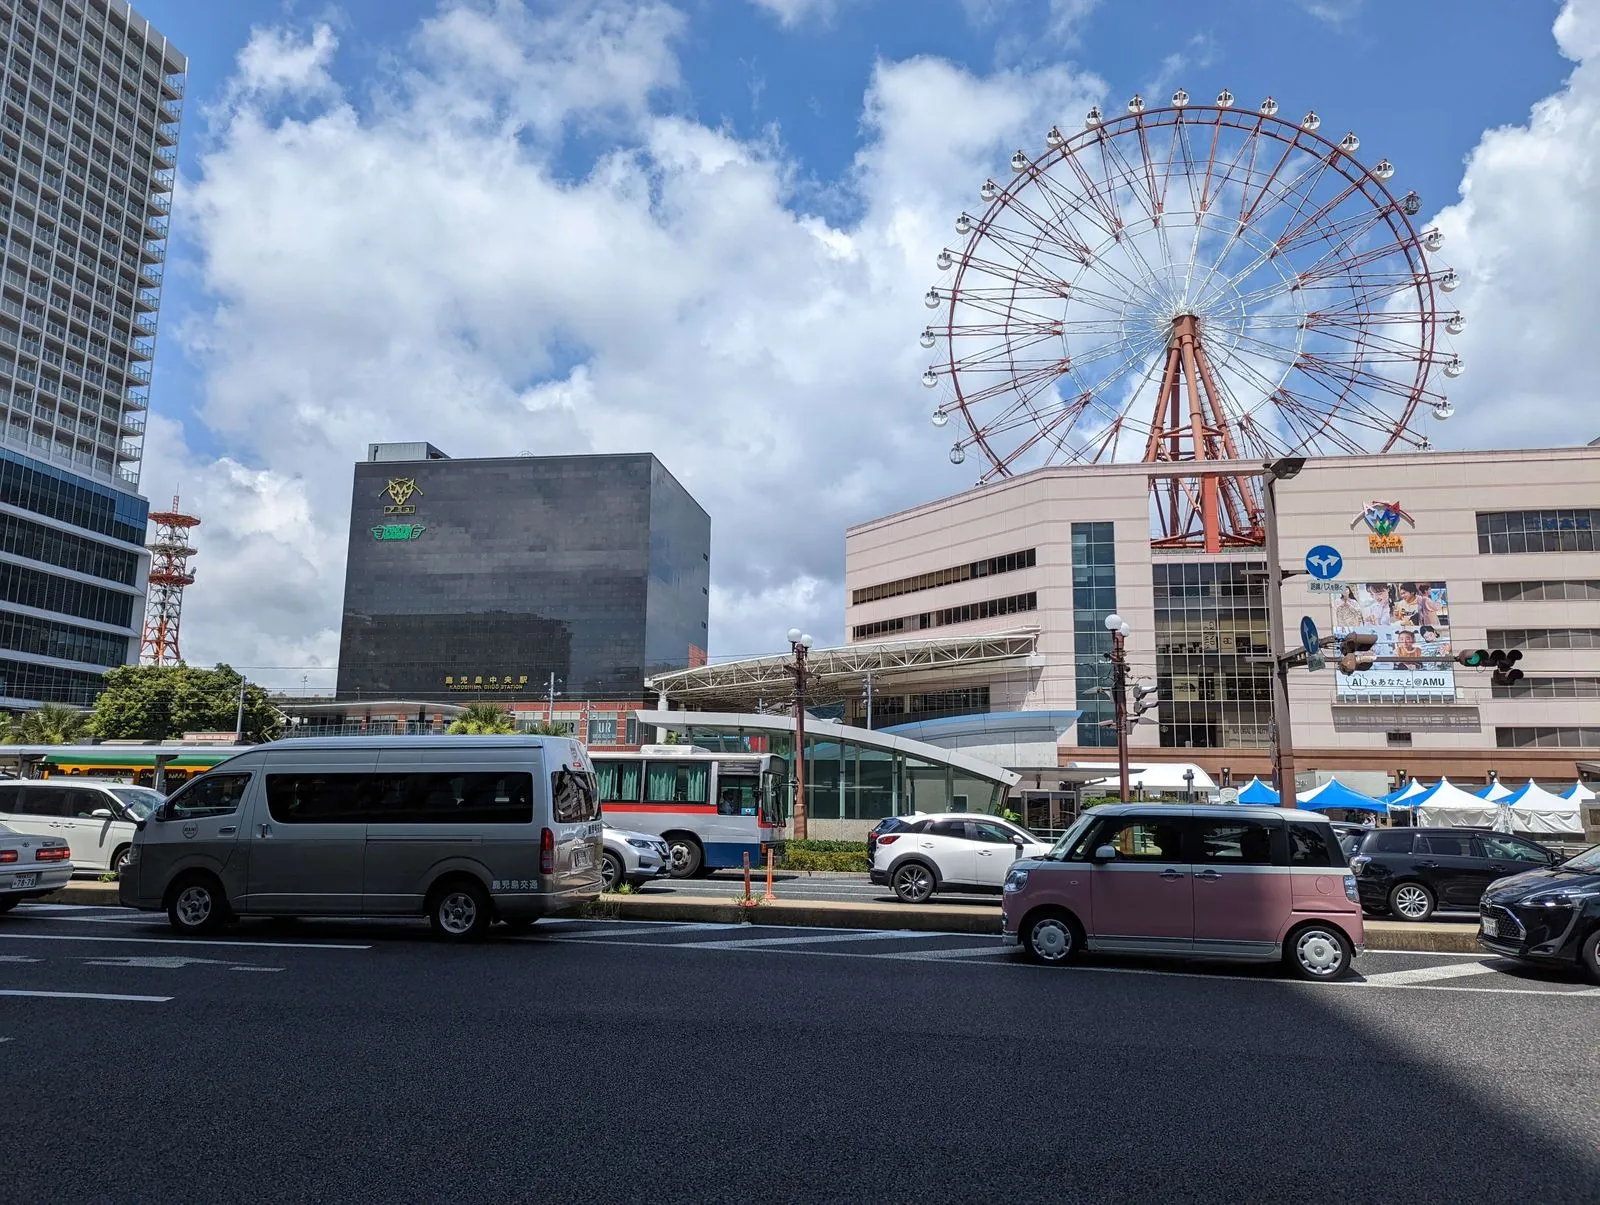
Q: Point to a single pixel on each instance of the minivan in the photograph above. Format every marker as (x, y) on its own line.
(97, 819)
(1248, 883)
(466, 830)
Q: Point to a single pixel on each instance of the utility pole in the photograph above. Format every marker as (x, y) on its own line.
(238, 724)
(1282, 737)
(799, 642)
(869, 698)
(1118, 656)
(550, 712)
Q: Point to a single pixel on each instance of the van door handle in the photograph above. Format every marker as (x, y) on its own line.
(229, 831)
(1172, 875)
(264, 830)
(1207, 876)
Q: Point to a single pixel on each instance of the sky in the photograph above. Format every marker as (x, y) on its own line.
(704, 229)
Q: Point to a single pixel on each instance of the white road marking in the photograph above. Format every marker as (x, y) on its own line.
(660, 927)
(87, 996)
(262, 969)
(18, 958)
(968, 952)
(1428, 974)
(170, 962)
(181, 941)
(808, 939)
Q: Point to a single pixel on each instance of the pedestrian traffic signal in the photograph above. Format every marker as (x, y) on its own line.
(1473, 658)
(1355, 652)
(1144, 699)
(1505, 666)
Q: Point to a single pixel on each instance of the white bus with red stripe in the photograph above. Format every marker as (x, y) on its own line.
(710, 808)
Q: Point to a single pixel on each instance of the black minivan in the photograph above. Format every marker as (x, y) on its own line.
(1549, 916)
(1411, 871)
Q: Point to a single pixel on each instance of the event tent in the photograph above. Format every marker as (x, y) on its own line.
(1406, 795)
(1334, 794)
(1494, 792)
(1257, 792)
(1535, 810)
(1578, 793)
(1445, 805)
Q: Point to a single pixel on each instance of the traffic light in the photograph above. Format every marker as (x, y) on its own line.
(1355, 652)
(1473, 659)
(1505, 666)
(1144, 699)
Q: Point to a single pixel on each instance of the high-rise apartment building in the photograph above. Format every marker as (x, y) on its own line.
(90, 102)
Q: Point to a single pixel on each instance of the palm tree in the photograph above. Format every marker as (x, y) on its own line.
(483, 719)
(47, 725)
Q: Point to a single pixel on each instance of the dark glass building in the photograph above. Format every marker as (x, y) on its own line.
(471, 579)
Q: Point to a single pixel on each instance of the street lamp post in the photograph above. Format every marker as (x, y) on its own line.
(799, 642)
(1118, 656)
(1282, 737)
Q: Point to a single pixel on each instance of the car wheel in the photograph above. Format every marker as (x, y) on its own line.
(1411, 901)
(1589, 955)
(197, 906)
(8, 902)
(1319, 952)
(119, 860)
(611, 872)
(1051, 938)
(684, 857)
(913, 883)
(459, 910)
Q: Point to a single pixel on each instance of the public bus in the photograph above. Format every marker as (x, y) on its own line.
(134, 764)
(710, 808)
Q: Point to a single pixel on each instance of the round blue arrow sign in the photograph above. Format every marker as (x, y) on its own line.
(1308, 635)
(1324, 562)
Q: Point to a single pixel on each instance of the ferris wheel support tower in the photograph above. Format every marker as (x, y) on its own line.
(169, 574)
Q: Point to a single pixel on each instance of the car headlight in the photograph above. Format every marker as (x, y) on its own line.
(1016, 880)
(1555, 899)
(640, 843)
(1350, 892)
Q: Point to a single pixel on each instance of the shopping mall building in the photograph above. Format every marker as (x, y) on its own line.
(1435, 553)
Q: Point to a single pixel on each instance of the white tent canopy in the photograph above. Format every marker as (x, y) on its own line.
(1447, 805)
(1578, 793)
(1536, 810)
(1494, 792)
(1408, 796)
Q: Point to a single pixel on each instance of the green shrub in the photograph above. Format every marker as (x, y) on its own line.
(808, 859)
(829, 847)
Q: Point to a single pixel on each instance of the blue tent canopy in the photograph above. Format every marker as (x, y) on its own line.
(1258, 792)
(1407, 794)
(1334, 794)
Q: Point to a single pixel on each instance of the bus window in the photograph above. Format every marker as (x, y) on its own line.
(618, 781)
(669, 782)
(738, 795)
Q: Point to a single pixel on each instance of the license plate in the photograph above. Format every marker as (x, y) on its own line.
(25, 880)
(580, 859)
(1491, 927)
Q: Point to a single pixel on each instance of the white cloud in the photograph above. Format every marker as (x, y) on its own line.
(1197, 54)
(1067, 18)
(423, 268)
(1524, 240)
(794, 12)
(1334, 12)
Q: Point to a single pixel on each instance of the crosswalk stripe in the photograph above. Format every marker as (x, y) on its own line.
(947, 955)
(659, 928)
(805, 940)
(1428, 974)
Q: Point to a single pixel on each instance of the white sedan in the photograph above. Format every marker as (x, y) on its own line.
(631, 858)
(960, 851)
(31, 866)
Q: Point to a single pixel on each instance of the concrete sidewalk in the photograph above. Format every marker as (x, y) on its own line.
(1432, 937)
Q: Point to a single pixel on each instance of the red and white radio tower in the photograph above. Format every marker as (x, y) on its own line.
(169, 574)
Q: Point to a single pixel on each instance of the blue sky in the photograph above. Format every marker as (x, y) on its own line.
(817, 141)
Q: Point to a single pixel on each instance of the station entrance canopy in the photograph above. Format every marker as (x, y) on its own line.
(840, 674)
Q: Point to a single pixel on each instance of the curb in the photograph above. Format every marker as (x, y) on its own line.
(984, 919)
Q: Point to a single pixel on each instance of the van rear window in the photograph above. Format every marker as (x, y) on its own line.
(1313, 845)
(573, 796)
(484, 797)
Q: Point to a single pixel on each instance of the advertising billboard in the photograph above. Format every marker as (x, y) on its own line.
(1411, 621)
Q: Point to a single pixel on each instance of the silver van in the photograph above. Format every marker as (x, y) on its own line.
(466, 830)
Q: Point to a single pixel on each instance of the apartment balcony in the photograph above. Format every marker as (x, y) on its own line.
(133, 424)
(145, 324)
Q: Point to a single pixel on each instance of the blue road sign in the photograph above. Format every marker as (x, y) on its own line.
(1308, 635)
(1324, 562)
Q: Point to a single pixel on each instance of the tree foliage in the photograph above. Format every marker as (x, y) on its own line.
(157, 703)
(483, 719)
(48, 725)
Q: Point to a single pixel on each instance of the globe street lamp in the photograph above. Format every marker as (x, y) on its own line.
(1282, 469)
(1120, 630)
(799, 643)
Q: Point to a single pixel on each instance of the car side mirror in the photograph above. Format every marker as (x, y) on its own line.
(1018, 841)
(102, 814)
(1106, 853)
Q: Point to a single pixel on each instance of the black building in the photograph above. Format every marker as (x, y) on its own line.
(481, 578)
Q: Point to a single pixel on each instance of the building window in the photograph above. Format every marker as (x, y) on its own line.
(989, 608)
(1009, 563)
(1094, 596)
(864, 631)
(1576, 591)
(602, 730)
(1398, 739)
(1543, 638)
(1547, 738)
(888, 710)
(1549, 688)
(1512, 531)
(1210, 626)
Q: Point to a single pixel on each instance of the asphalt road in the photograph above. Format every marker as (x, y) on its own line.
(596, 1061)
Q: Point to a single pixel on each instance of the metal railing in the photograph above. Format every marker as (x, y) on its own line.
(371, 728)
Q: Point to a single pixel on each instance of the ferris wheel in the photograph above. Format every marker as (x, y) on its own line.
(1190, 283)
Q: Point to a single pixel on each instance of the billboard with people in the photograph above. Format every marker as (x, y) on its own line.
(1411, 622)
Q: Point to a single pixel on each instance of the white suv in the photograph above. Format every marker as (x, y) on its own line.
(96, 819)
(963, 851)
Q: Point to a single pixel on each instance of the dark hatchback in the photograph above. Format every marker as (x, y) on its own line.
(1548, 916)
(1411, 871)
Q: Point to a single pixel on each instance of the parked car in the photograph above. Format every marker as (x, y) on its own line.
(1248, 883)
(31, 866)
(631, 858)
(889, 824)
(969, 851)
(1550, 915)
(1412, 871)
(1350, 835)
(97, 819)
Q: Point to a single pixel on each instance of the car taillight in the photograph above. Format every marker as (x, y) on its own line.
(547, 852)
(8, 855)
(888, 838)
(53, 853)
(1357, 865)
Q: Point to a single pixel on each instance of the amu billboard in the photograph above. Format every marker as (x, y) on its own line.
(1411, 621)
